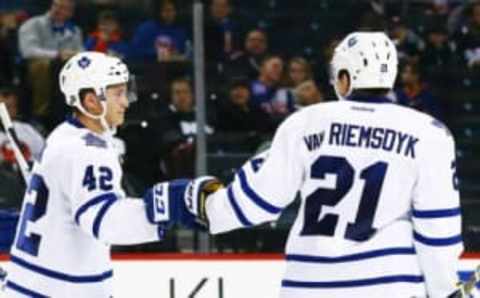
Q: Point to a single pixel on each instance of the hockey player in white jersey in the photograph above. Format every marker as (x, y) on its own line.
(74, 207)
(380, 214)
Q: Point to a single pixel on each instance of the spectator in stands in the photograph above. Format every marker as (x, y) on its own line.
(439, 57)
(107, 38)
(161, 38)
(409, 45)
(415, 93)
(307, 93)
(221, 16)
(178, 130)
(247, 63)
(44, 40)
(31, 141)
(468, 39)
(299, 70)
(265, 89)
(8, 46)
(238, 114)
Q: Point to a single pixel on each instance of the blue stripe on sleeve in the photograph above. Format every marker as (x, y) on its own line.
(91, 203)
(353, 257)
(260, 202)
(436, 213)
(59, 275)
(236, 208)
(437, 241)
(22, 290)
(353, 283)
(100, 215)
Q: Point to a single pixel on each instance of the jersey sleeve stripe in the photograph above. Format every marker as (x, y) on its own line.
(354, 283)
(101, 214)
(437, 241)
(22, 290)
(236, 208)
(353, 257)
(252, 195)
(91, 203)
(59, 275)
(436, 213)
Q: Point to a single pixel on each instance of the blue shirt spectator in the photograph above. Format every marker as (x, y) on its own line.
(159, 38)
(265, 92)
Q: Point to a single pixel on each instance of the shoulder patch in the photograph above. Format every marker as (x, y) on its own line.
(94, 141)
(439, 124)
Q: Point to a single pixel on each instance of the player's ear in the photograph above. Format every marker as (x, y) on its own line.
(90, 102)
(343, 82)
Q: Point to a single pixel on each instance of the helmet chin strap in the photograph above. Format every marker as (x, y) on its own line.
(109, 131)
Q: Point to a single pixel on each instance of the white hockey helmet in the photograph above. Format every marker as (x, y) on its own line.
(93, 70)
(369, 58)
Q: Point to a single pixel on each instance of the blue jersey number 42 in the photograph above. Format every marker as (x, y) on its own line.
(37, 198)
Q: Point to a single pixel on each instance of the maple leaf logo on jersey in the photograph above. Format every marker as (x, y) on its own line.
(84, 62)
(94, 141)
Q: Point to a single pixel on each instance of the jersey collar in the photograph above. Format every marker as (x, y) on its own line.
(369, 99)
(74, 122)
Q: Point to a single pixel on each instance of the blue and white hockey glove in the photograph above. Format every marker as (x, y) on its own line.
(196, 197)
(164, 202)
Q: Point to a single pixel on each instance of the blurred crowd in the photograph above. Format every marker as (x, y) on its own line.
(264, 60)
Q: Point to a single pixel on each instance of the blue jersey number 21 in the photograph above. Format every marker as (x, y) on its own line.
(37, 198)
(362, 228)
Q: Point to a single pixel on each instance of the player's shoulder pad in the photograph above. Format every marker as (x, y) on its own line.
(430, 126)
(439, 124)
(92, 140)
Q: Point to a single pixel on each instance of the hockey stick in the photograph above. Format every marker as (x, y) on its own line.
(14, 142)
(21, 161)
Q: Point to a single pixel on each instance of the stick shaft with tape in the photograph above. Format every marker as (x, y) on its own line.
(14, 142)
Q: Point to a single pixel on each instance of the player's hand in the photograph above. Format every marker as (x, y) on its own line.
(196, 196)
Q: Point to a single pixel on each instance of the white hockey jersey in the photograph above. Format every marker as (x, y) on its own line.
(380, 214)
(74, 208)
